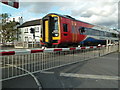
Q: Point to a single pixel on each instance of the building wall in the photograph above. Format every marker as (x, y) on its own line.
(27, 36)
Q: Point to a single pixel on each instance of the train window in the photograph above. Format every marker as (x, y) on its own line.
(105, 34)
(82, 29)
(114, 35)
(111, 35)
(55, 32)
(92, 32)
(101, 33)
(108, 34)
(87, 31)
(55, 23)
(65, 28)
(97, 33)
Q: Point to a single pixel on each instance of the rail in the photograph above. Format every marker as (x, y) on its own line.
(18, 63)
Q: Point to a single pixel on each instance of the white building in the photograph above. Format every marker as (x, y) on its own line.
(16, 19)
(26, 34)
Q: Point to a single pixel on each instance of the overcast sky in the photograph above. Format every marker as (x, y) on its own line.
(98, 12)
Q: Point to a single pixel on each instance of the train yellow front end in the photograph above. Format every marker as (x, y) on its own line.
(50, 33)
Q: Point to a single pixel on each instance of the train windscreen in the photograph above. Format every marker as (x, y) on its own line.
(55, 27)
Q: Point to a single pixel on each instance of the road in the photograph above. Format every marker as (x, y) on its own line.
(95, 73)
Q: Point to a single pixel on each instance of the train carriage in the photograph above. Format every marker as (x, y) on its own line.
(63, 31)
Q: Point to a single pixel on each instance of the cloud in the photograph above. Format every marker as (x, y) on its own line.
(99, 12)
(42, 7)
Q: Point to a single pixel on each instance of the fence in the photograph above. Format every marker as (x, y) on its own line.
(27, 44)
(18, 63)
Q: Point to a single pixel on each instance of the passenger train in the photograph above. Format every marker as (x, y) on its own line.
(63, 31)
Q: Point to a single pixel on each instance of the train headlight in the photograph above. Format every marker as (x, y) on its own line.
(56, 34)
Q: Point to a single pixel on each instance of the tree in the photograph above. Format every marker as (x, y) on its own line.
(9, 30)
(4, 17)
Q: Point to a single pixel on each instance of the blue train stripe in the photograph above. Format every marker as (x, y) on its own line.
(92, 40)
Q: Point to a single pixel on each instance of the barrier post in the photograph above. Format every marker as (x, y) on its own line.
(0, 66)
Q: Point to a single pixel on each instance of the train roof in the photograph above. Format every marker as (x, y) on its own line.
(69, 17)
(98, 27)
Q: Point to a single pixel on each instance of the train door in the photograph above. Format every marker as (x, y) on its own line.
(74, 32)
(65, 31)
(47, 29)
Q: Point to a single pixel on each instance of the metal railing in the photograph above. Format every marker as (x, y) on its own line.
(17, 65)
(27, 44)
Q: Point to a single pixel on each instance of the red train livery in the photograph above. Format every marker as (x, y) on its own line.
(63, 31)
(58, 30)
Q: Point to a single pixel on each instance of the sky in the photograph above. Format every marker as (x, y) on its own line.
(97, 12)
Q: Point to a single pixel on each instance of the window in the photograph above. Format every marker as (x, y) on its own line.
(97, 32)
(32, 30)
(26, 30)
(65, 28)
(36, 29)
(55, 32)
(107, 34)
(82, 29)
(87, 31)
(36, 36)
(102, 33)
(56, 23)
(110, 34)
(26, 38)
(91, 31)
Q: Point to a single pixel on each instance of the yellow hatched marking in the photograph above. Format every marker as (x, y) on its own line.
(46, 31)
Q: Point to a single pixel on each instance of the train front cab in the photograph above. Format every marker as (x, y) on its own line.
(50, 33)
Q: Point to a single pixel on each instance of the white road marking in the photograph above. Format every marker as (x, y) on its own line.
(73, 75)
(36, 80)
(46, 72)
(105, 77)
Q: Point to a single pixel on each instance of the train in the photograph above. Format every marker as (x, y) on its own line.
(65, 31)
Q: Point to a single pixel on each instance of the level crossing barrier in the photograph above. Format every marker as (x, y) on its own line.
(23, 62)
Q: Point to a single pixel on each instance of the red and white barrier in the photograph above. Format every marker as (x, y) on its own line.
(13, 3)
(28, 51)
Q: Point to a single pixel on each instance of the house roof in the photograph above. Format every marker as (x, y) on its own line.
(31, 23)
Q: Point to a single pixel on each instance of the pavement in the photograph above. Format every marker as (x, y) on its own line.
(95, 73)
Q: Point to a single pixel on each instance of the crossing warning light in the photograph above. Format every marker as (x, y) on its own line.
(13, 3)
